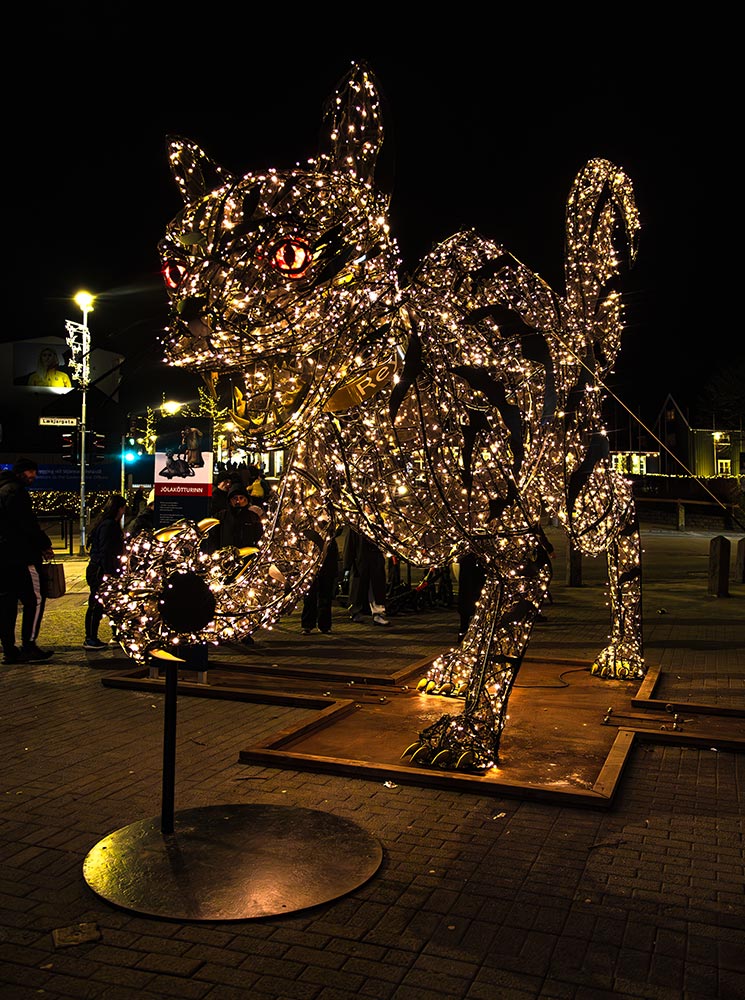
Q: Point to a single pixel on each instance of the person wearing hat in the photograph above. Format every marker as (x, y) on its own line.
(23, 548)
(240, 524)
(219, 499)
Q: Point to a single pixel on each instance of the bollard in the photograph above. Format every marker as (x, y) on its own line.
(196, 658)
(740, 562)
(719, 553)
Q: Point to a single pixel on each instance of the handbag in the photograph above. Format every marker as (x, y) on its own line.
(55, 584)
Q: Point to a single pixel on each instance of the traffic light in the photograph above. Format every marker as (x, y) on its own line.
(70, 447)
(97, 452)
(132, 450)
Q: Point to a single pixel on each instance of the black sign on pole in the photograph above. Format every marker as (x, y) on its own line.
(182, 478)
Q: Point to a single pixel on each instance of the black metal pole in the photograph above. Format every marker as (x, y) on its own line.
(169, 749)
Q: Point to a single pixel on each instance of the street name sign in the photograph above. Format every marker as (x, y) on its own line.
(58, 421)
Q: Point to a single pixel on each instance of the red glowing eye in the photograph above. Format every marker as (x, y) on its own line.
(291, 257)
(173, 274)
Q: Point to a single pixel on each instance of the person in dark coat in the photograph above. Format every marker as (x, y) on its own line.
(318, 601)
(23, 548)
(145, 520)
(241, 525)
(367, 583)
(219, 499)
(136, 507)
(471, 579)
(240, 522)
(106, 546)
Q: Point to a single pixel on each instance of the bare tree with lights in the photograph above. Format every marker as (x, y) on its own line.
(438, 418)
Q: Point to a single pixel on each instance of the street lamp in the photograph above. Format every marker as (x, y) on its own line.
(79, 340)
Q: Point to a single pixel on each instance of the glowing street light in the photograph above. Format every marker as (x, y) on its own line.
(79, 340)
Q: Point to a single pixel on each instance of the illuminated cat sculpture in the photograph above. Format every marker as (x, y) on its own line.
(437, 418)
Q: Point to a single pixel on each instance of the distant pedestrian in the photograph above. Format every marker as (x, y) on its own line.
(134, 508)
(241, 526)
(23, 548)
(240, 523)
(106, 547)
(257, 486)
(145, 520)
(219, 499)
(318, 602)
(367, 578)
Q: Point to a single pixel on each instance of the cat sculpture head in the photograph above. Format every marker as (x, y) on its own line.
(276, 278)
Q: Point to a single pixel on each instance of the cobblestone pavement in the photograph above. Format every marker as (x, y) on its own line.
(477, 897)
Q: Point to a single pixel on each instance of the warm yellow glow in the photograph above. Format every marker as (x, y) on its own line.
(441, 416)
(84, 301)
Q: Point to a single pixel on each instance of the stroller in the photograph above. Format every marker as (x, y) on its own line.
(434, 590)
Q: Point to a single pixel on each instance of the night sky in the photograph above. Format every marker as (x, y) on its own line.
(489, 125)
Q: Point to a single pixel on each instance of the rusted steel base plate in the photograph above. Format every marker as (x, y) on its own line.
(232, 862)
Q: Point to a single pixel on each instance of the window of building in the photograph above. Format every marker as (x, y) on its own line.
(630, 462)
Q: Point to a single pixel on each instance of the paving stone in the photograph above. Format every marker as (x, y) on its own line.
(642, 900)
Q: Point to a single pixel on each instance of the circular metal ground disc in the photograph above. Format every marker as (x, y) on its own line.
(232, 862)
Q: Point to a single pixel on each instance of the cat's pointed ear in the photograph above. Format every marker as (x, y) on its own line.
(352, 133)
(194, 172)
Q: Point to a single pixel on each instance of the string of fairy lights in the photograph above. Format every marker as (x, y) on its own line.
(438, 418)
(232, 592)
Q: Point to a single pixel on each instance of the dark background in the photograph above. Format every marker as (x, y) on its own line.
(490, 120)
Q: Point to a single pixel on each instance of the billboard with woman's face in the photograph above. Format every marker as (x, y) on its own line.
(42, 366)
(45, 365)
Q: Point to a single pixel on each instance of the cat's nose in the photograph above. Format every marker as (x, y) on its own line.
(191, 308)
